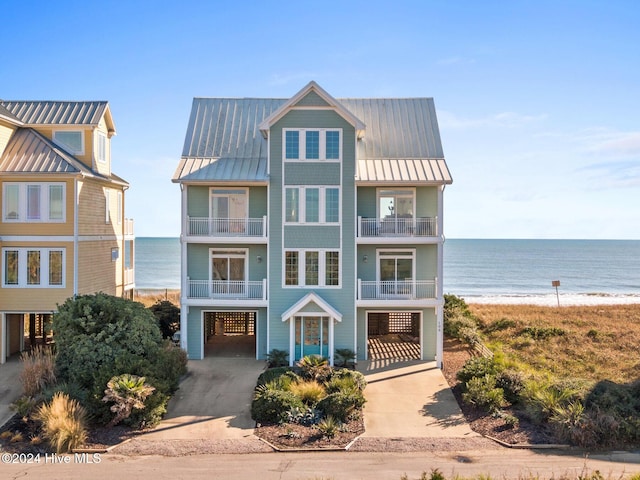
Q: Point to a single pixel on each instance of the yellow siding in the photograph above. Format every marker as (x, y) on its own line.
(96, 271)
(102, 167)
(5, 134)
(87, 156)
(37, 228)
(92, 211)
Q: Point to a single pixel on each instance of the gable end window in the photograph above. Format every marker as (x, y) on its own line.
(318, 144)
(33, 202)
(71, 140)
(101, 147)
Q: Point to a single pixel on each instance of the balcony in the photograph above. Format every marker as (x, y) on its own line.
(420, 227)
(128, 227)
(227, 291)
(226, 228)
(398, 290)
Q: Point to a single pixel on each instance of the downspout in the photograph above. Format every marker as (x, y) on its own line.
(184, 311)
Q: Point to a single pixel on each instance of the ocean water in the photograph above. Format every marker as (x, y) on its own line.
(489, 271)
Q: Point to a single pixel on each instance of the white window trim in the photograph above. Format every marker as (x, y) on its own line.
(44, 267)
(229, 253)
(393, 253)
(44, 202)
(119, 215)
(212, 195)
(322, 267)
(410, 191)
(101, 147)
(302, 204)
(107, 206)
(68, 147)
(302, 144)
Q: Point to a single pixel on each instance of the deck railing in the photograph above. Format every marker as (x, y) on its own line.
(398, 227)
(227, 227)
(128, 226)
(396, 289)
(228, 289)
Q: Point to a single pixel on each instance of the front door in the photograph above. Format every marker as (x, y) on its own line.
(312, 336)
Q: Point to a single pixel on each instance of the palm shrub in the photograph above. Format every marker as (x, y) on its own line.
(277, 358)
(345, 355)
(283, 374)
(64, 423)
(38, 369)
(126, 392)
(23, 406)
(329, 426)
(315, 367)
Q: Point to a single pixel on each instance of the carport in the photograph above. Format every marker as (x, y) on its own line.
(393, 335)
(230, 333)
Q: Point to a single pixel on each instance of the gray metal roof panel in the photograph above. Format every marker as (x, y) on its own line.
(222, 169)
(32, 112)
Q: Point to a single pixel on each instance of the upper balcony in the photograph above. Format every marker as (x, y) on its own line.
(397, 229)
(396, 292)
(241, 230)
(228, 292)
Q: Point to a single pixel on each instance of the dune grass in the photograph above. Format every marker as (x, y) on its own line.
(591, 343)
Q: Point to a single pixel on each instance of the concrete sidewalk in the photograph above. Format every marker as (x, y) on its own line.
(410, 399)
(10, 386)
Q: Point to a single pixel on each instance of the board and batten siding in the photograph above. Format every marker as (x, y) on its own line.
(300, 173)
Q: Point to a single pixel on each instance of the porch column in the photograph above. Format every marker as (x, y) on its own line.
(439, 336)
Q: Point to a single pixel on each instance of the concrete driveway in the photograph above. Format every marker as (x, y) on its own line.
(213, 402)
(10, 386)
(410, 399)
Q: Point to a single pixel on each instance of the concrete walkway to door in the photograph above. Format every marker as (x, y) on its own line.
(410, 399)
(214, 401)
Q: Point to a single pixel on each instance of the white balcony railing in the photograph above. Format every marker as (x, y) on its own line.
(396, 290)
(398, 227)
(227, 227)
(228, 289)
(129, 276)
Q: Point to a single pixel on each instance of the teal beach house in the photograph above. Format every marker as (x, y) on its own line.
(311, 224)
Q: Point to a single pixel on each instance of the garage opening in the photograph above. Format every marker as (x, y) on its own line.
(230, 334)
(393, 336)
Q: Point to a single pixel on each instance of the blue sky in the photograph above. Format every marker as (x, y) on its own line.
(538, 101)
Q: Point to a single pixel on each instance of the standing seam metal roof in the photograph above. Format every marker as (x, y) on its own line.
(401, 141)
(56, 112)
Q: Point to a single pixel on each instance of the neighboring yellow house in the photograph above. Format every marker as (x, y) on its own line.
(62, 226)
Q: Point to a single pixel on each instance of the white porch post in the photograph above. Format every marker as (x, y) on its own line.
(331, 330)
(3, 338)
(292, 340)
(439, 336)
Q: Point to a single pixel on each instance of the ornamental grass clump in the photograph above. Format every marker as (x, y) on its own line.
(64, 423)
(38, 370)
(309, 391)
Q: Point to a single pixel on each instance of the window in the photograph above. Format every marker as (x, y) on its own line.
(101, 147)
(34, 202)
(396, 271)
(312, 144)
(107, 206)
(321, 205)
(33, 267)
(115, 254)
(119, 215)
(321, 268)
(228, 272)
(70, 140)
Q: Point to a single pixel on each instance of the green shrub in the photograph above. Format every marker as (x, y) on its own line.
(477, 367)
(273, 406)
(100, 336)
(168, 316)
(455, 306)
(309, 391)
(341, 405)
(344, 379)
(277, 358)
(545, 399)
(155, 407)
(499, 325)
(63, 423)
(542, 333)
(511, 381)
(483, 393)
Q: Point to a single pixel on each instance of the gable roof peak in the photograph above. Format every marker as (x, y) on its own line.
(312, 86)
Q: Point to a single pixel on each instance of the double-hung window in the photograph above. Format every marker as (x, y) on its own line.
(312, 144)
(312, 204)
(311, 268)
(33, 202)
(33, 267)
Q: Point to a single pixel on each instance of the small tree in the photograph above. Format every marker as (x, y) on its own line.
(168, 316)
(126, 392)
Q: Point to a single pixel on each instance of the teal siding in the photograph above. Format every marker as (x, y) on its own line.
(426, 201)
(309, 236)
(426, 260)
(258, 202)
(197, 201)
(312, 99)
(429, 334)
(342, 299)
(262, 328)
(194, 333)
(323, 173)
(198, 260)
(367, 202)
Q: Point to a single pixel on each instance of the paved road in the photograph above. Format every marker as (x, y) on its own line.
(502, 464)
